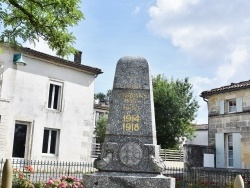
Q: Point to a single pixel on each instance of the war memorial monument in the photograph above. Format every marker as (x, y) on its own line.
(130, 154)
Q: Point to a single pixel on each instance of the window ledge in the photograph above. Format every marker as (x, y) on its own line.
(4, 100)
(49, 155)
(229, 114)
(53, 111)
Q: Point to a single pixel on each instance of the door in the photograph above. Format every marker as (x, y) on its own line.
(20, 138)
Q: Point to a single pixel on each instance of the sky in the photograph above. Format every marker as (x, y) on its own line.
(206, 41)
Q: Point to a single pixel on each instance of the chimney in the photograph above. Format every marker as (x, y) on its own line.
(78, 57)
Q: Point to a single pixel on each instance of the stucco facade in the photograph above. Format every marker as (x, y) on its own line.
(229, 124)
(201, 135)
(51, 99)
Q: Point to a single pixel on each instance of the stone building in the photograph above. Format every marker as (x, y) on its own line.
(46, 107)
(229, 124)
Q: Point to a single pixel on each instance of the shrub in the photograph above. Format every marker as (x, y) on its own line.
(22, 180)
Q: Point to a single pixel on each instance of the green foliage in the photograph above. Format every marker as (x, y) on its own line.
(22, 180)
(100, 128)
(30, 20)
(101, 96)
(175, 109)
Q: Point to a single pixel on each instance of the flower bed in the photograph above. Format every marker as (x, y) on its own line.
(22, 180)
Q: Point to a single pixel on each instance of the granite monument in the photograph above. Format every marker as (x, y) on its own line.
(130, 155)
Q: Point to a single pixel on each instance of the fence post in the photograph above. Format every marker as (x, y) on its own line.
(69, 169)
(238, 182)
(7, 174)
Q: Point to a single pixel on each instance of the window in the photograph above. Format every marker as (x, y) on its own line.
(229, 150)
(55, 95)
(50, 141)
(20, 140)
(232, 106)
(98, 115)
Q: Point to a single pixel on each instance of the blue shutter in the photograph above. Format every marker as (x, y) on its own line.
(219, 146)
(239, 104)
(222, 107)
(237, 150)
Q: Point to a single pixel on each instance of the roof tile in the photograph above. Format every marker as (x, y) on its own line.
(231, 87)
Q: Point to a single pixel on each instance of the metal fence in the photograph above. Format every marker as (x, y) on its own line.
(43, 170)
(185, 177)
(207, 177)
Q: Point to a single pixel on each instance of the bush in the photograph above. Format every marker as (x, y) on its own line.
(22, 180)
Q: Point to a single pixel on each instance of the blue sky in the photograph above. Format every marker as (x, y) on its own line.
(207, 41)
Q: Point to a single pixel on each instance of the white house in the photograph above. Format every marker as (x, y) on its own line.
(46, 107)
(201, 135)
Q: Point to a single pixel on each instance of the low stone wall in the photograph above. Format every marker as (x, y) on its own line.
(194, 154)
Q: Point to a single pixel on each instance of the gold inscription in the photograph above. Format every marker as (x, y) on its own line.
(130, 107)
(131, 122)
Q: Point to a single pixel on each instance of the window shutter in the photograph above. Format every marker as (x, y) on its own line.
(222, 106)
(219, 146)
(237, 150)
(239, 104)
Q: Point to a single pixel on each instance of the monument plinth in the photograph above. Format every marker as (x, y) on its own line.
(129, 155)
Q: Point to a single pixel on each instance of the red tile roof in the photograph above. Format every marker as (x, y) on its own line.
(231, 87)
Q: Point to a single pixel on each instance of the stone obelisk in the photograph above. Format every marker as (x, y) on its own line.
(130, 155)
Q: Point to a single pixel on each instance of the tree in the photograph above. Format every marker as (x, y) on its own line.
(175, 109)
(100, 128)
(101, 96)
(30, 20)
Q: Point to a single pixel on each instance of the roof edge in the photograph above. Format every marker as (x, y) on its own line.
(54, 59)
(227, 88)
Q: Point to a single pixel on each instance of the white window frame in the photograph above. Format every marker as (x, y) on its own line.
(229, 149)
(232, 108)
(59, 98)
(221, 145)
(49, 141)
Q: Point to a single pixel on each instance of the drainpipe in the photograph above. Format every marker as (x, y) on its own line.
(204, 99)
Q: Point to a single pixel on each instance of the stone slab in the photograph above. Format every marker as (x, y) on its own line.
(127, 180)
(131, 107)
(129, 155)
(130, 139)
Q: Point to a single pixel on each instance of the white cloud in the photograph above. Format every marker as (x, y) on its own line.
(214, 32)
(171, 6)
(201, 28)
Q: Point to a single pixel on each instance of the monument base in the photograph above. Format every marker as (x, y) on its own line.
(127, 180)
